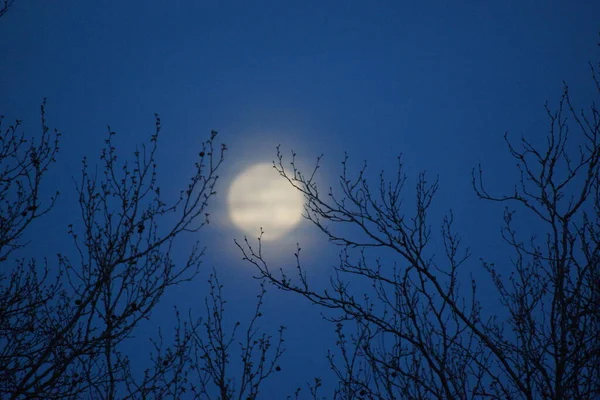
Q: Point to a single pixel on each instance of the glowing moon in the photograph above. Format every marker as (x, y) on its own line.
(260, 197)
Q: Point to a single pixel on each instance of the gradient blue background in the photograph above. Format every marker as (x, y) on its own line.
(438, 81)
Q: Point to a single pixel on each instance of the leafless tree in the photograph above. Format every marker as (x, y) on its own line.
(24, 288)
(211, 360)
(62, 323)
(213, 351)
(421, 330)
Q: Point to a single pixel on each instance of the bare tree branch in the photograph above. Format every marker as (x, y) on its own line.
(422, 330)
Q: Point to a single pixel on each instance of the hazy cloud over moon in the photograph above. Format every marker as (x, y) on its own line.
(260, 197)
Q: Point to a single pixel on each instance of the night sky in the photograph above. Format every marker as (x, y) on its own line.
(439, 82)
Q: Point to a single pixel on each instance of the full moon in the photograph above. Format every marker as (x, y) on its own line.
(260, 197)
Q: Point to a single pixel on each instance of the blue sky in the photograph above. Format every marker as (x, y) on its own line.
(437, 81)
